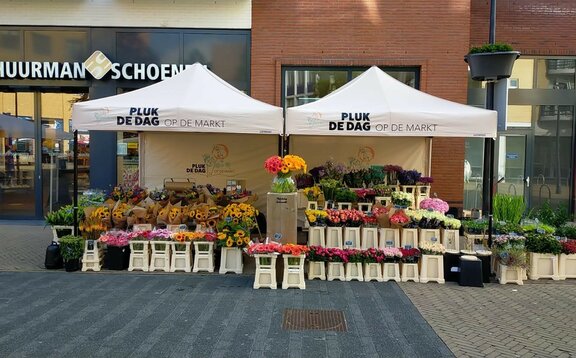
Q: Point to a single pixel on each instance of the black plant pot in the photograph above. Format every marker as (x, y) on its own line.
(72, 265)
(491, 66)
(117, 258)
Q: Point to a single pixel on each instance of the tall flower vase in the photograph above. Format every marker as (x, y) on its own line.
(265, 275)
(316, 269)
(317, 236)
(334, 236)
(160, 259)
(283, 183)
(352, 237)
(373, 271)
(391, 271)
(369, 237)
(293, 275)
(336, 271)
(203, 257)
(567, 266)
(432, 268)
(139, 255)
(181, 254)
(354, 271)
(231, 260)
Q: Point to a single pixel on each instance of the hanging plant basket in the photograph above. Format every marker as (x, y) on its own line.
(491, 66)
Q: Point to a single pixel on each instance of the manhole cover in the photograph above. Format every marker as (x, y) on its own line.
(322, 320)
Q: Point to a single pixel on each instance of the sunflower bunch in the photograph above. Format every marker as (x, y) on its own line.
(205, 215)
(101, 212)
(232, 235)
(241, 213)
(92, 227)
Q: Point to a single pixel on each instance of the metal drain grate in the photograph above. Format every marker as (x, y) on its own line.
(322, 320)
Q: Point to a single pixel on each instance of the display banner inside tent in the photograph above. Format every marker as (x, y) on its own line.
(216, 159)
(408, 152)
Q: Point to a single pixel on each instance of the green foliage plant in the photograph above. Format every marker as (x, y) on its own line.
(508, 208)
(71, 247)
(503, 227)
(556, 217)
(345, 195)
(475, 227)
(543, 243)
(487, 48)
(568, 231)
(63, 216)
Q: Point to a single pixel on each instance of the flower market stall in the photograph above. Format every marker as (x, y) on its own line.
(195, 101)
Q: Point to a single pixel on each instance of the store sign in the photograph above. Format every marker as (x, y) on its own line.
(97, 65)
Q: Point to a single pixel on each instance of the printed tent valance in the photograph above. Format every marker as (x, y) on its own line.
(195, 100)
(375, 104)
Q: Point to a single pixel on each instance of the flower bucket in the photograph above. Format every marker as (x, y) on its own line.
(316, 269)
(139, 255)
(265, 275)
(231, 260)
(204, 257)
(293, 275)
(181, 257)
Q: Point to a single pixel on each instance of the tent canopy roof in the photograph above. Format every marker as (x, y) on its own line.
(194, 100)
(376, 104)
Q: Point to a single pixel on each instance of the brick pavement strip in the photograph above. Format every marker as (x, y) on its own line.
(500, 320)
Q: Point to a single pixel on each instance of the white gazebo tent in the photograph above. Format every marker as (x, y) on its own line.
(376, 105)
(194, 126)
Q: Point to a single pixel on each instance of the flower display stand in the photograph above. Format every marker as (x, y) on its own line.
(409, 272)
(282, 217)
(354, 271)
(316, 269)
(509, 274)
(391, 271)
(293, 272)
(373, 271)
(472, 238)
(566, 266)
(265, 276)
(203, 257)
(383, 200)
(317, 236)
(422, 192)
(139, 255)
(59, 231)
(334, 236)
(344, 206)
(160, 258)
(92, 257)
(336, 271)
(231, 260)
(389, 238)
(180, 258)
(352, 237)
(409, 237)
(543, 266)
(450, 239)
(432, 268)
(429, 235)
(369, 237)
(365, 207)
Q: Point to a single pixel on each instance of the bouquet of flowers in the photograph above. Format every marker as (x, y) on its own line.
(373, 255)
(409, 177)
(402, 199)
(435, 204)
(92, 227)
(292, 249)
(117, 238)
(410, 255)
(159, 195)
(260, 248)
(160, 235)
(317, 253)
(426, 219)
(241, 213)
(333, 218)
(392, 173)
(232, 235)
(370, 220)
(316, 217)
(335, 254)
(399, 218)
(352, 256)
(312, 193)
(365, 195)
(428, 248)
(451, 223)
(392, 254)
(283, 169)
(569, 247)
(352, 217)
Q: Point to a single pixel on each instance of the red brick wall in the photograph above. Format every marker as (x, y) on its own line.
(534, 27)
(431, 34)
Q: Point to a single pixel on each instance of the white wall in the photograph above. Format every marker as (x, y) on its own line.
(227, 14)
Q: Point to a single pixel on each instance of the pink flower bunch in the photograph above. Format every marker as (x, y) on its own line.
(399, 218)
(161, 234)
(392, 253)
(435, 204)
(380, 210)
(347, 217)
(115, 238)
(144, 235)
(273, 164)
(365, 193)
(259, 248)
(373, 255)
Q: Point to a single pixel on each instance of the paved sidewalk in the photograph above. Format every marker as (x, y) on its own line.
(23, 245)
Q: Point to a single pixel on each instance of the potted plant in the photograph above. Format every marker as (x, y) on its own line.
(62, 220)
(543, 251)
(510, 256)
(71, 249)
(567, 266)
(491, 62)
